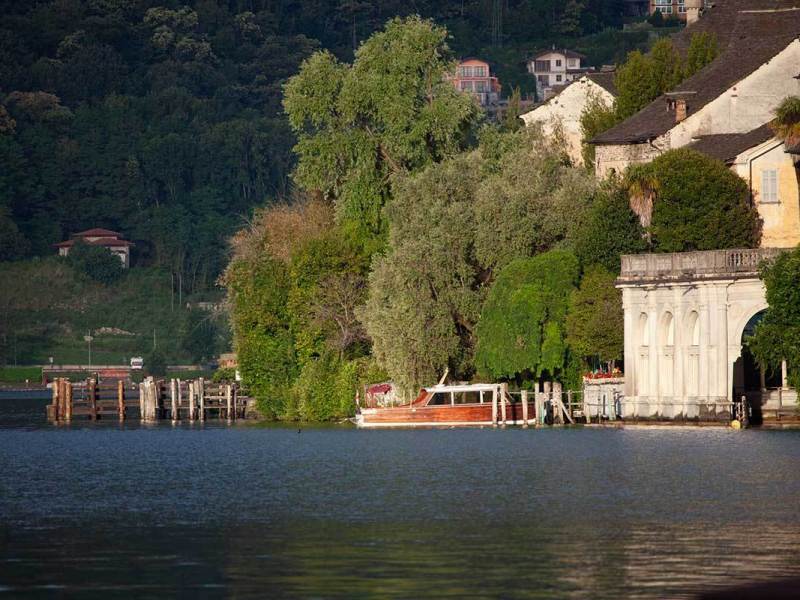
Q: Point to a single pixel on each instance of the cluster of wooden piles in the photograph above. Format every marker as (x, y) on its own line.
(151, 400)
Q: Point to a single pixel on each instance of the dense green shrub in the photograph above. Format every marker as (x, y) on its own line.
(258, 293)
(700, 204)
(521, 332)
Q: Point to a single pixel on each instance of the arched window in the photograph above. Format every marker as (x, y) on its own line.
(644, 330)
(692, 336)
(693, 328)
(668, 330)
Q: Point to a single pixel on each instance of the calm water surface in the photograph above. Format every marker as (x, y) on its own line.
(107, 511)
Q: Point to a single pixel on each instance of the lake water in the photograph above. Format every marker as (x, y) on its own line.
(245, 511)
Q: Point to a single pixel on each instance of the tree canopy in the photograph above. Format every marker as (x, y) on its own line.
(610, 230)
(695, 203)
(391, 112)
(594, 319)
(522, 326)
(777, 335)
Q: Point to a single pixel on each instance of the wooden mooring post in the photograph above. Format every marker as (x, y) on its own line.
(91, 392)
(121, 399)
(539, 409)
(67, 399)
(202, 393)
(503, 399)
(174, 385)
(494, 406)
(191, 401)
(229, 403)
(524, 396)
(109, 399)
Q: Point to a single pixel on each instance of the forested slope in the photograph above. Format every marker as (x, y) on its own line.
(163, 120)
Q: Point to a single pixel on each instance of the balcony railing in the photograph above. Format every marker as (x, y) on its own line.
(704, 264)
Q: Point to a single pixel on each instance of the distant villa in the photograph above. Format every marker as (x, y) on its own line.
(99, 237)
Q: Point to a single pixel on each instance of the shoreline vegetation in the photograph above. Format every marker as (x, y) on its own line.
(393, 231)
(423, 239)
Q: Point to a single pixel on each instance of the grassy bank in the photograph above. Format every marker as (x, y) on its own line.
(20, 374)
(52, 308)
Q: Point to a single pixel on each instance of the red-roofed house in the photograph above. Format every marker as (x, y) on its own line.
(473, 76)
(99, 237)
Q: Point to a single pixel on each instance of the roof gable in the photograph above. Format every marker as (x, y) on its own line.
(97, 232)
(563, 52)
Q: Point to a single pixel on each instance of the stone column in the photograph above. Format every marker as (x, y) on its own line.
(631, 344)
(723, 376)
(653, 351)
(784, 376)
(703, 366)
(678, 353)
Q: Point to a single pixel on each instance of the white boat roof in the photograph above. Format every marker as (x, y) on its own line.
(476, 387)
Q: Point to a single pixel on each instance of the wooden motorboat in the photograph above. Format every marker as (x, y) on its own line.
(452, 405)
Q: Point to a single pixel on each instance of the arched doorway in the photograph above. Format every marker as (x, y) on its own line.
(751, 379)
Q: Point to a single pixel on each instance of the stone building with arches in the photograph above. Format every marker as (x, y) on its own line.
(686, 315)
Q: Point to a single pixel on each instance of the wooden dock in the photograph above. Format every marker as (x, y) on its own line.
(150, 401)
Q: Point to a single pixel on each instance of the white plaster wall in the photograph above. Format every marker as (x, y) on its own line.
(684, 379)
(565, 110)
(743, 107)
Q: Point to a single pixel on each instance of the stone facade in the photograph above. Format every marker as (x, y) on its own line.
(685, 317)
(610, 159)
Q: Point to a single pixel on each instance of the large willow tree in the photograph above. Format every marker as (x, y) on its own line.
(391, 112)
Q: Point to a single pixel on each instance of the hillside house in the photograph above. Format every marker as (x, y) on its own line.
(759, 66)
(768, 167)
(563, 111)
(474, 76)
(554, 69)
(106, 238)
(685, 10)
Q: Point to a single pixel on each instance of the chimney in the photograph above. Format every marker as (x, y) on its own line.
(680, 109)
(693, 8)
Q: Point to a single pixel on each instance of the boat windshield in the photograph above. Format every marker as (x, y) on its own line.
(460, 397)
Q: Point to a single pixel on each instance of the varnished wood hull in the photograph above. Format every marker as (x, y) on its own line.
(459, 415)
